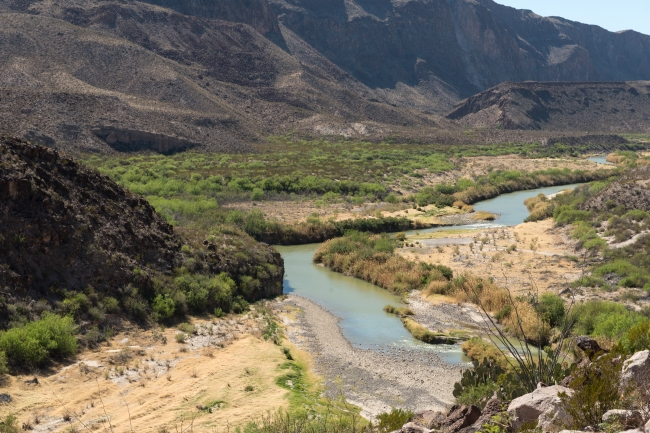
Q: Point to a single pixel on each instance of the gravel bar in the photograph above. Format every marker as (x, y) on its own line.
(375, 380)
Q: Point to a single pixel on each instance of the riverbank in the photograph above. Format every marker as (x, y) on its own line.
(375, 380)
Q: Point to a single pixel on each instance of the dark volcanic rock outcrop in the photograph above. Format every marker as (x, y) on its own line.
(132, 141)
(63, 227)
(614, 106)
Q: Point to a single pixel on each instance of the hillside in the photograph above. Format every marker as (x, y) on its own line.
(613, 106)
(69, 234)
(166, 75)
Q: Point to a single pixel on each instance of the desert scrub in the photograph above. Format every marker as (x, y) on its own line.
(478, 349)
(596, 390)
(35, 343)
(187, 328)
(371, 258)
(393, 420)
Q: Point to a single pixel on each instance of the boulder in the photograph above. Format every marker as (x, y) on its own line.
(459, 417)
(412, 427)
(542, 406)
(636, 370)
(492, 407)
(627, 418)
(589, 346)
(430, 419)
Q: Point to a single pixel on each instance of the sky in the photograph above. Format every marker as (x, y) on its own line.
(613, 15)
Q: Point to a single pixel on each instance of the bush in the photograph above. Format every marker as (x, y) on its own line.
(163, 307)
(3, 363)
(551, 307)
(603, 318)
(187, 328)
(596, 390)
(35, 343)
(393, 420)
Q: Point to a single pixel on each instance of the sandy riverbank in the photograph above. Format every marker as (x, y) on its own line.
(375, 380)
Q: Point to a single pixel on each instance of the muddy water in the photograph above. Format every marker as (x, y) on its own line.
(360, 305)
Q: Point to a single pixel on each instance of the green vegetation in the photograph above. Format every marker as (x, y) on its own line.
(596, 387)
(393, 420)
(401, 312)
(371, 258)
(627, 267)
(189, 189)
(421, 333)
(35, 343)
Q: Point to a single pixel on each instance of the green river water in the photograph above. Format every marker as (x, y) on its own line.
(360, 305)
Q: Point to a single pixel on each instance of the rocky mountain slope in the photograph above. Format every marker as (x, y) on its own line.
(612, 106)
(166, 75)
(65, 228)
(443, 49)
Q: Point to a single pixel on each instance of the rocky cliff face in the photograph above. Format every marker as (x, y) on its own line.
(469, 45)
(64, 227)
(612, 106)
(256, 13)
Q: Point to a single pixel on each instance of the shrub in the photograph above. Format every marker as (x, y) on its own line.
(187, 328)
(596, 390)
(3, 363)
(393, 420)
(180, 337)
(35, 343)
(603, 318)
(111, 305)
(163, 307)
(551, 307)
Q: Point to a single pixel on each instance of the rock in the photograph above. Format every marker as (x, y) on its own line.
(5, 398)
(589, 346)
(33, 381)
(430, 419)
(492, 407)
(541, 406)
(638, 430)
(636, 370)
(412, 427)
(460, 416)
(627, 418)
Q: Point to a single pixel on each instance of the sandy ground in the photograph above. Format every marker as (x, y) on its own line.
(540, 261)
(376, 381)
(223, 376)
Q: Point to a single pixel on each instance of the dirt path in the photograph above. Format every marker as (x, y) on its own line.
(376, 381)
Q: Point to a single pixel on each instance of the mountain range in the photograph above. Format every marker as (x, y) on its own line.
(105, 75)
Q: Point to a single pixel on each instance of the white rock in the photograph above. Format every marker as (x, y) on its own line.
(414, 428)
(541, 406)
(628, 418)
(636, 370)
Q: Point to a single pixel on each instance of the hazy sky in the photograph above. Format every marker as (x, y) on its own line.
(612, 15)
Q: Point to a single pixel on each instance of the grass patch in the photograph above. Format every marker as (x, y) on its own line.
(401, 312)
(421, 333)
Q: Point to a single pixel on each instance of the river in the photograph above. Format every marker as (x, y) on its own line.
(360, 305)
